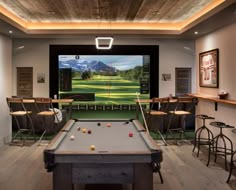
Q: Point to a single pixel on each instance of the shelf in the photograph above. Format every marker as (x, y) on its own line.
(214, 99)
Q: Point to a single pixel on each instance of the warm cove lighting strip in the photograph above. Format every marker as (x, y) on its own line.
(29, 26)
(109, 42)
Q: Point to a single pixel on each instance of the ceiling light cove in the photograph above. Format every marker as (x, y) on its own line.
(32, 24)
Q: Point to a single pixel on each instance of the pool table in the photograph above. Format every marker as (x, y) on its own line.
(122, 153)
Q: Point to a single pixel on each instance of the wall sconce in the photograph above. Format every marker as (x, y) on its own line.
(104, 42)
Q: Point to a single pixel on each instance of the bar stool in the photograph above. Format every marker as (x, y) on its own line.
(158, 109)
(180, 112)
(45, 110)
(18, 110)
(226, 147)
(199, 140)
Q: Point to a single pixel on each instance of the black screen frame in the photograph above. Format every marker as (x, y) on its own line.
(151, 50)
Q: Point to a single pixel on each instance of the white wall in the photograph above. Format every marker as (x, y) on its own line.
(5, 87)
(173, 53)
(225, 40)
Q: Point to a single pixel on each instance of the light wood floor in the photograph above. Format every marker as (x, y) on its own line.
(22, 168)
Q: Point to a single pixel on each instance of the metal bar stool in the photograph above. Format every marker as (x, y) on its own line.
(226, 146)
(203, 135)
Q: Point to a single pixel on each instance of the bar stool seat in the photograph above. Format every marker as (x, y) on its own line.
(222, 145)
(203, 135)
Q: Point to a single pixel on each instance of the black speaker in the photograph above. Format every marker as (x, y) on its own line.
(66, 79)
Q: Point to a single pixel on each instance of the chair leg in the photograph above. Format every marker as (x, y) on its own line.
(162, 181)
(231, 167)
(163, 139)
(157, 168)
(40, 139)
(32, 127)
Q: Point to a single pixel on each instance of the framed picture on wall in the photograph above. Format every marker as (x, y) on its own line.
(209, 69)
(41, 78)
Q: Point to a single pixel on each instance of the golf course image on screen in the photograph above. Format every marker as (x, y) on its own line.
(104, 79)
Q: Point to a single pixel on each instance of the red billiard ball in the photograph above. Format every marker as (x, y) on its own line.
(131, 134)
(78, 129)
(89, 131)
(108, 125)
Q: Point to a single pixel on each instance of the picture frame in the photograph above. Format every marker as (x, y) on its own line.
(166, 77)
(40, 78)
(209, 68)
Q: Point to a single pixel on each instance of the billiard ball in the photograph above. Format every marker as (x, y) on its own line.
(84, 130)
(72, 137)
(89, 131)
(78, 129)
(92, 147)
(108, 125)
(99, 124)
(131, 134)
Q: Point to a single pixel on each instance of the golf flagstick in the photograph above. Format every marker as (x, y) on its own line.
(144, 120)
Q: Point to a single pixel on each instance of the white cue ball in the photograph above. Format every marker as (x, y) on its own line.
(72, 137)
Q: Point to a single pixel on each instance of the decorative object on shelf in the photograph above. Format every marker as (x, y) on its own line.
(208, 68)
(222, 94)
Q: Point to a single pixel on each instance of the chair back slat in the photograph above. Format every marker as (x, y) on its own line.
(15, 104)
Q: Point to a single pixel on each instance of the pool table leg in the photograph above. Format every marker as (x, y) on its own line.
(143, 177)
(62, 177)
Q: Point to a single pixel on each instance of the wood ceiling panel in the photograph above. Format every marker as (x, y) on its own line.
(83, 16)
(150, 9)
(104, 10)
(179, 12)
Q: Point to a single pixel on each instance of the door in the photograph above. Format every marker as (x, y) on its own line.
(183, 81)
(25, 81)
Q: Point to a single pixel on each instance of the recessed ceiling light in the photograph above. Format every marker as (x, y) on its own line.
(20, 47)
(196, 32)
(155, 12)
(187, 48)
(51, 12)
(10, 31)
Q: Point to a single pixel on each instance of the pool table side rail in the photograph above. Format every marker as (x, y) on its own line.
(107, 158)
(49, 152)
(59, 137)
(156, 152)
(68, 125)
(104, 120)
(138, 125)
